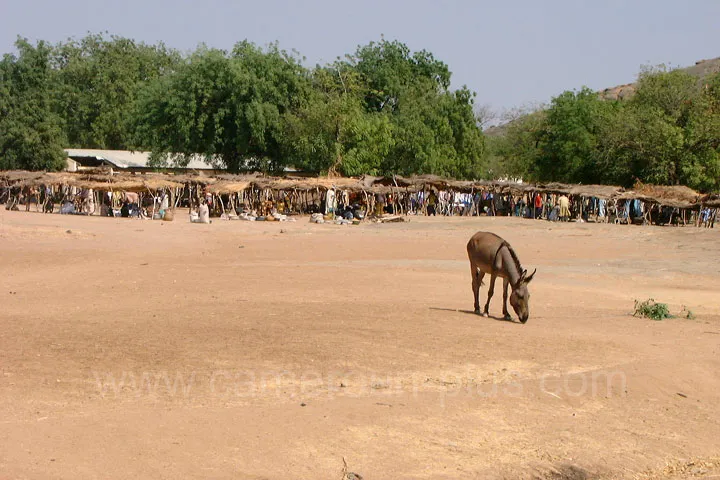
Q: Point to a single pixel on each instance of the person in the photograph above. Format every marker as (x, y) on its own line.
(538, 205)
(379, 204)
(204, 213)
(549, 205)
(125, 209)
(432, 202)
(330, 202)
(564, 204)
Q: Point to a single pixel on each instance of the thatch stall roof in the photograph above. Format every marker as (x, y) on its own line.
(142, 185)
(605, 192)
(516, 188)
(415, 182)
(225, 187)
(381, 189)
(712, 200)
(129, 183)
(14, 176)
(300, 183)
(677, 196)
(673, 196)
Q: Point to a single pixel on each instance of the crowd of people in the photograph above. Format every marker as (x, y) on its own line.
(357, 205)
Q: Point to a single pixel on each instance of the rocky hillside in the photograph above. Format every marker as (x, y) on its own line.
(701, 69)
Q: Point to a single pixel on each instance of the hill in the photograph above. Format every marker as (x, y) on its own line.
(700, 69)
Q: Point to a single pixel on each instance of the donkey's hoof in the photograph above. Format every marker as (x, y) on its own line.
(507, 317)
(485, 314)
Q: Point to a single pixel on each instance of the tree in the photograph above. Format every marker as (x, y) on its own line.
(332, 132)
(437, 134)
(435, 130)
(569, 142)
(30, 133)
(97, 83)
(514, 151)
(227, 107)
(485, 116)
(389, 70)
(667, 133)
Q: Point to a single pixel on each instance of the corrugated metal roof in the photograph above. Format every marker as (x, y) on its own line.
(127, 159)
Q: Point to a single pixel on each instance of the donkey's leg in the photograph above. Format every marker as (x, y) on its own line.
(491, 290)
(477, 277)
(506, 315)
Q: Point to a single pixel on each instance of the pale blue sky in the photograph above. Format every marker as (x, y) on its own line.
(511, 52)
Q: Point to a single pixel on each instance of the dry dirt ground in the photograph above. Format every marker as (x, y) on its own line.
(237, 350)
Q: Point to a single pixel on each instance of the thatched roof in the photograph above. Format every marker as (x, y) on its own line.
(711, 200)
(605, 192)
(95, 181)
(228, 187)
(600, 191)
(299, 183)
(674, 196)
(13, 176)
(674, 192)
(677, 196)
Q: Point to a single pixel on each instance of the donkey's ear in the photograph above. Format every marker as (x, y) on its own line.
(521, 279)
(528, 279)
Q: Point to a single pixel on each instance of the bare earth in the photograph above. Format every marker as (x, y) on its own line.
(238, 350)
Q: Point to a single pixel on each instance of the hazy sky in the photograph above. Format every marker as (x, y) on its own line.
(509, 52)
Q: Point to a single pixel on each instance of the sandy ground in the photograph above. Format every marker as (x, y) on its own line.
(140, 349)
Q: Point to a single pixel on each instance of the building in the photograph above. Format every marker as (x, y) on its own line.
(131, 162)
(137, 162)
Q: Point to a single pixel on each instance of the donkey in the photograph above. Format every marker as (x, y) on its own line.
(488, 253)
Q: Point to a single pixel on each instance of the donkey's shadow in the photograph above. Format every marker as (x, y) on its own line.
(470, 312)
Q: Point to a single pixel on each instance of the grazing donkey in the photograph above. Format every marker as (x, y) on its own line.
(489, 253)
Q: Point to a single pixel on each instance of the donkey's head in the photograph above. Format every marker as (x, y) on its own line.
(520, 297)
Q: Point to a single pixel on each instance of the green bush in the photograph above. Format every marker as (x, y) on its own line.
(651, 309)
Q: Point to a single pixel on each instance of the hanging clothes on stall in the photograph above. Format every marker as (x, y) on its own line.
(330, 202)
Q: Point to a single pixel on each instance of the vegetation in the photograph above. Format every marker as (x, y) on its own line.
(382, 109)
(651, 309)
(687, 313)
(31, 135)
(667, 133)
(659, 311)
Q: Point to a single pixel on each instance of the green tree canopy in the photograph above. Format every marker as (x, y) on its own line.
(226, 106)
(389, 69)
(381, 110)
(667, 133)
(97, 82)
(569, 142)
(30, 133)
(332, 132)
(385, 110)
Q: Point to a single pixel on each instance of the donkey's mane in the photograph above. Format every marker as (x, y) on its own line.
(514, 257)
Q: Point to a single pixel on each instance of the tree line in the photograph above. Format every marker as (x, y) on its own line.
(667, 133)
(380, 110)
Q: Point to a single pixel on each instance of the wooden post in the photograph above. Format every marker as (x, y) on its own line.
(397, 194)
(152, 217)
(222, 205)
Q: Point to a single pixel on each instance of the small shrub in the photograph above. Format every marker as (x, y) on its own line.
(687, 313)
(651, 309)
